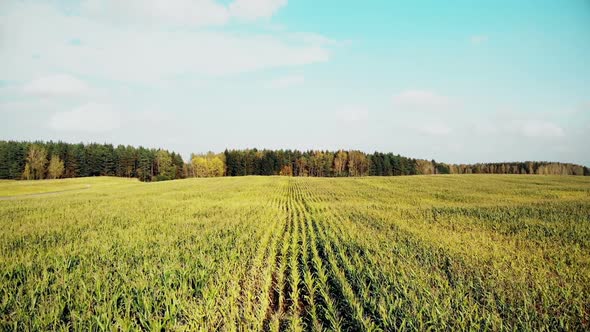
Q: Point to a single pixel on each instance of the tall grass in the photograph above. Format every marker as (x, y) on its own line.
(273, 253)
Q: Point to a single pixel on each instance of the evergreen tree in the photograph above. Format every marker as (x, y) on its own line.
(165, 169)
(29, 160)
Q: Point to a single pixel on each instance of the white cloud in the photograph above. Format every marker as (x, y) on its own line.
(422, 100)
(287, 81)
(57, 85)
(542, 129)
(138, 53)
(435, 129)
(255, 9)
(176, 12)
(353, 114)
(480, 39)
(313, 38)
(181, 12)
(484, 128)
(91, 118)
(26, 105)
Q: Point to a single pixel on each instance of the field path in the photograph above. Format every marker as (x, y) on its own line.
(50, 193)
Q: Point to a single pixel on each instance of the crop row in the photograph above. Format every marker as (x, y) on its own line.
(276, 254)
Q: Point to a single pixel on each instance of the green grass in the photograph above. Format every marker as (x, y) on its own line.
(11, 188)
(469, 252)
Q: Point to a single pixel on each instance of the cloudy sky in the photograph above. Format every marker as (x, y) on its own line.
(458, 82)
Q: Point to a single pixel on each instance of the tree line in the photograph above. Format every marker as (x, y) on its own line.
(316, 163)
(52, 160)
(357, 163)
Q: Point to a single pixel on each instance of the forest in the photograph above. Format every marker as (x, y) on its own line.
(52, 160)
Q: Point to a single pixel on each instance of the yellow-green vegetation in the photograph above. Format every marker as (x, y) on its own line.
(470, 252)
(9, 188)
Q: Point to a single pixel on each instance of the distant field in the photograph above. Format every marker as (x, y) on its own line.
(477, 252)
(16, 189)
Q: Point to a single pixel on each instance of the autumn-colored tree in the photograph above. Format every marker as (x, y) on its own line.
(209, 165)
(358, 164)
(424, 167)
(56, 168)
(340, 162)
(320, 163)
(216, 166)
(302, 167)
(199, 165)
(186, 171)
(28, 174)
(287, 170)
(37, 159)
(28, 160)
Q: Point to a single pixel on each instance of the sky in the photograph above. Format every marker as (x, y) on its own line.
(456, 81)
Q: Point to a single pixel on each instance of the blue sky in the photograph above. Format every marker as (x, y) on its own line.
(457, 81)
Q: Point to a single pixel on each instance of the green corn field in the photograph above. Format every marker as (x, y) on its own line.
(466, 252)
